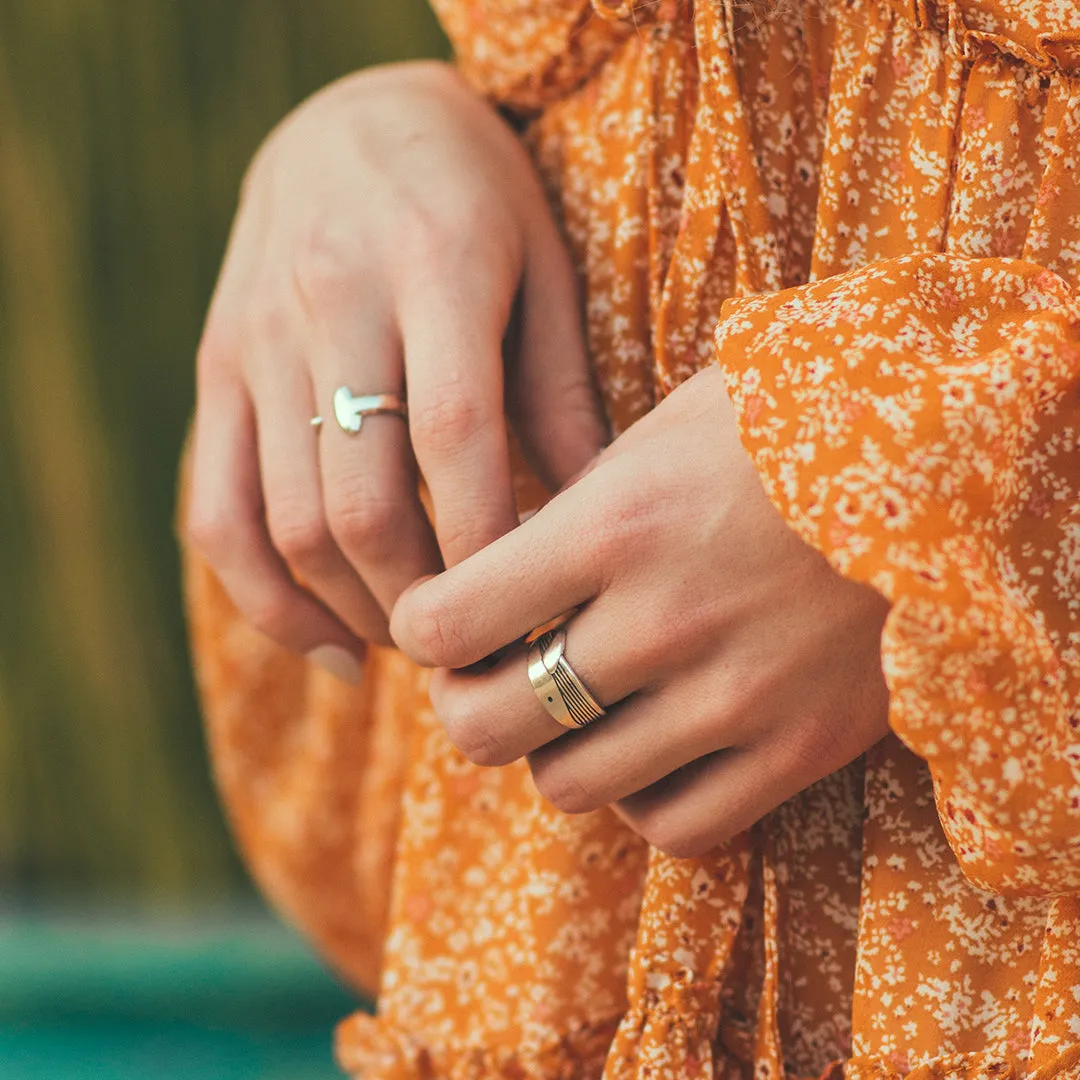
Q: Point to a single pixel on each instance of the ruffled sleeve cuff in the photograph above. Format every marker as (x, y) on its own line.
(918, 423)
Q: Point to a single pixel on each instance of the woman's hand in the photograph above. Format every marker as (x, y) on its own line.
(736, 665)
(385, 233)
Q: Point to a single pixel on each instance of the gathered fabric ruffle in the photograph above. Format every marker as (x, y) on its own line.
(1044, 37)
(528, 54)
(953, 1067)
(671, 1033)
(525, 55)
(659, 1041)
(366, 1047)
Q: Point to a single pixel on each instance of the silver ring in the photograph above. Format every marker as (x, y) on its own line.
(565, 697)
(350, 411)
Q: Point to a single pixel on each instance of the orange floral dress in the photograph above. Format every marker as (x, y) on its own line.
(868, 212)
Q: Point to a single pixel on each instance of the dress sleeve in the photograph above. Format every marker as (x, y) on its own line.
(918, 423)
(525, 56)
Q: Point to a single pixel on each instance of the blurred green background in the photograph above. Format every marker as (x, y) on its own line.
(125, 128)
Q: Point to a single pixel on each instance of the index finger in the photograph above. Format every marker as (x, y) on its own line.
(543, 568)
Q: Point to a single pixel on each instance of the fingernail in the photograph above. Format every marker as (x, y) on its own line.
(339, 662)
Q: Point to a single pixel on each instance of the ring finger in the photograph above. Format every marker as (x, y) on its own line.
(292, 489)
(495, 716)
(371, 483)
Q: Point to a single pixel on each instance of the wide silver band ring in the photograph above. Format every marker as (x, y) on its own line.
(565, 697)
(349, 411)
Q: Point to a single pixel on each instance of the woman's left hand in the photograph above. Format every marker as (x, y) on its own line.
(736, 666)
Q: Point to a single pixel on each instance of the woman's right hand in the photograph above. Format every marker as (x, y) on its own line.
(385, 232)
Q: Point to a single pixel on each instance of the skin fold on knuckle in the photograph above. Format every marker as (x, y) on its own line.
(426, 242)
(273, 611)
(327, 264)
(816, 743)
(302, 538)
(207, 531)
(562, 787)
(455, 701)
(621, 532)
(474, 737)
(367, 523)
(427, 632)
(465, 232)
(216, 531)
(674, 832)
(447, 423)
(218, 352)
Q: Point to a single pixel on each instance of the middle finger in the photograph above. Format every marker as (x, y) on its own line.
(295, 515)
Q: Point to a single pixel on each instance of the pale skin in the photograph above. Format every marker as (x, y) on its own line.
(384, 234)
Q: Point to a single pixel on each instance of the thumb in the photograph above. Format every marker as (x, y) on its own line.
(551, 397)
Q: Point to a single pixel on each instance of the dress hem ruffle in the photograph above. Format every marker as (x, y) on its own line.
(368, 1048)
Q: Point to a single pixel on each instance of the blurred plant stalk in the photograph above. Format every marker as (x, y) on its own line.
(125, 128)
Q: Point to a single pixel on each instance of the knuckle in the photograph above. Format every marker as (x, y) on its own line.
(326, 261)
(435, 245)
(620, 528)
(432, 636)
(210, 530)
(426, 239)
(562, 788)
(667, 832)
(812, 746)
(302, 537)
(472, 733)
(273, 612)
(474, 738)
(365, 523)
(446, 422)
(267, 317)
(219, 348)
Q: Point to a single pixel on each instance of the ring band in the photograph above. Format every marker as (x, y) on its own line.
(349, 411)
(564, 696)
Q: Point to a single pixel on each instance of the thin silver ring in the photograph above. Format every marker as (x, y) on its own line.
(350, 410)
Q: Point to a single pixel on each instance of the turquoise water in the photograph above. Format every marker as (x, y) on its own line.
(219, 998)
(139, 1051)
